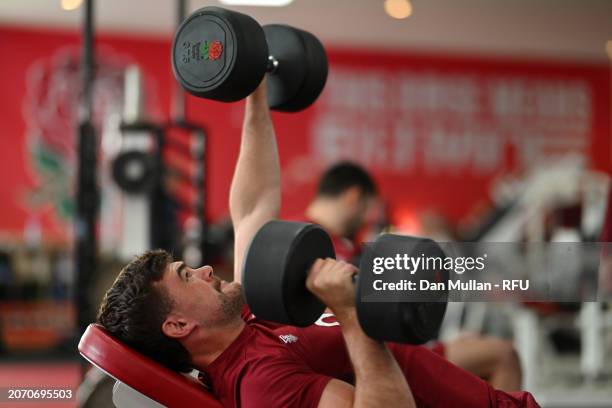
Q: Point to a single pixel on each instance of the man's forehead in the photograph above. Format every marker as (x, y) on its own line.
(170, 276)
(171, 269)
(174, 267)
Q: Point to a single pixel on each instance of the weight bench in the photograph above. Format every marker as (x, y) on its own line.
(141, 382)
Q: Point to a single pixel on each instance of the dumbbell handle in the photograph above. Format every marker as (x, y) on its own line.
(272, 65)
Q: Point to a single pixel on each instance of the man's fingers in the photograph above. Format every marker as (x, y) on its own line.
(333, 272)
(315, 271)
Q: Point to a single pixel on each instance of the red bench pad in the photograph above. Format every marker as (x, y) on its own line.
(157, 382)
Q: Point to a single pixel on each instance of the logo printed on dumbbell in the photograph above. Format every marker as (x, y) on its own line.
(202, 51)
(214, 49)
(207, 50)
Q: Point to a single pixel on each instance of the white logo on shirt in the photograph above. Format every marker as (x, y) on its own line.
(321, 322)
(288, 338)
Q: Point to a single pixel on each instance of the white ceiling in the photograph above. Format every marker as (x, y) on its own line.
(573, 29)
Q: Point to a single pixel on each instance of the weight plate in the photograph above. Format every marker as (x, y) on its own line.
(219, 54)
(413, 317)
(134, 171)
(285, 44)
(275, 269)
(315, 78)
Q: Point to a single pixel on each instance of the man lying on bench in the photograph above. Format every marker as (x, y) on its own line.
(188, 319)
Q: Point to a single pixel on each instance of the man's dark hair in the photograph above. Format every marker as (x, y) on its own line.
(134, 309)
(342, 176)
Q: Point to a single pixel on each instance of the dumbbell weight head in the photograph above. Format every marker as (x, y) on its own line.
(219, 54)
(223, 55)
(413, 318)
(275, 270)
(302, 68)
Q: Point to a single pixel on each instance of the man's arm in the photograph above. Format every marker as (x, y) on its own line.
(379, 380)
(255, 190)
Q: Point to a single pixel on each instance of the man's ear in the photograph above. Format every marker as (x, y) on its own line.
(177, 327)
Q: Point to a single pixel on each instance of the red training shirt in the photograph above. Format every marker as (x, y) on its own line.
(272, 365)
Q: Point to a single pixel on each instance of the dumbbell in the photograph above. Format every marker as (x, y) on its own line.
(223, 55)
(274, 282)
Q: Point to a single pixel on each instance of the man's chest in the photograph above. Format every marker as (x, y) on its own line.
(320, 346)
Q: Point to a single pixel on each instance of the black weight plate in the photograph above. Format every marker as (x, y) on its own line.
(285, 44)
(315, 78)
(414, 317)
(423, 319)
(134, 171)
(219, 54)
(275, 269)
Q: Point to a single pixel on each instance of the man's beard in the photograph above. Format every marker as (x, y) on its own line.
(351, 228)
(230, 308)
(231, 305)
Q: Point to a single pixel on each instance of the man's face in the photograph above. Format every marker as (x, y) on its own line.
(357, 211)
(200, 297)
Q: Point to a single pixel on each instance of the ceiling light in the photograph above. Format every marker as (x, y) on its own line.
(399, 9)
(69, 5)
(273, 3)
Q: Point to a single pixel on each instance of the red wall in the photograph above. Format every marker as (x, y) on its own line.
(434, 130)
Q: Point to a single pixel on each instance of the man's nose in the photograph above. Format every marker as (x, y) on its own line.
(205, 272)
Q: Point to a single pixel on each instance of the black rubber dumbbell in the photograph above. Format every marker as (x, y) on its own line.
(223, 55)
(278, 261)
